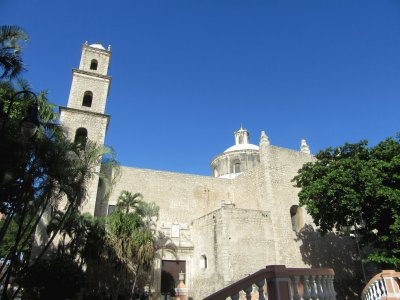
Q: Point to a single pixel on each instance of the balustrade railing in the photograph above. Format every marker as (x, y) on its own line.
(383, 286)
(281, 283)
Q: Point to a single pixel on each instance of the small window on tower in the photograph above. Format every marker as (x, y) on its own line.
(93, 64)
(87, 99)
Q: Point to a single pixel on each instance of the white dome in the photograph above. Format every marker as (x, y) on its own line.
(98, 46)
(238, 147)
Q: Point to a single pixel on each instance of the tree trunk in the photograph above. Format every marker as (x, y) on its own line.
(134, 282)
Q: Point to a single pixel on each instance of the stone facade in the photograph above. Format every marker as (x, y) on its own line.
(225, 227)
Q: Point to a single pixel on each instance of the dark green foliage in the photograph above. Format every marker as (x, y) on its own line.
(9, 239)
(358, 187)
(10, 50)
(54, 278)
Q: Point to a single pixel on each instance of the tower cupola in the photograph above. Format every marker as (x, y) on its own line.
(242, 136)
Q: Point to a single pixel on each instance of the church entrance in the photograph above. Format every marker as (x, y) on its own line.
(170, 270)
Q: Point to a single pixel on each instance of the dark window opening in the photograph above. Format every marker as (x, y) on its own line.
(203, 262)
(297, 218)
(111, 209)
(81, 136)
(93, 64)
(87, 99)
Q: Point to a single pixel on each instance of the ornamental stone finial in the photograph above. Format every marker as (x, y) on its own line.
(264, 139)
(109, 48)
(86, 43)
(304, 147)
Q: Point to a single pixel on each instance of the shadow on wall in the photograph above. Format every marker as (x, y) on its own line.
(335, 251)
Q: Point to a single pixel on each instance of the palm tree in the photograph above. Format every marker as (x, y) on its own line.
(128, 201)
(10, 50)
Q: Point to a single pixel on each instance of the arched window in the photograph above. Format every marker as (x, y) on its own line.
(241, 139)
(81, 136)
(203, 262)
(93, 64)
(87, 99)
(297, 218)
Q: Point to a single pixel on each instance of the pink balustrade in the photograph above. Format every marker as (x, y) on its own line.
(383, 286)
(280, 283)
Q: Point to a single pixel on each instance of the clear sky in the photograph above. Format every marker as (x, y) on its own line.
(186, 74)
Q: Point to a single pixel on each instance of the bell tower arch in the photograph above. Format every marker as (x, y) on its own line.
(84, 116)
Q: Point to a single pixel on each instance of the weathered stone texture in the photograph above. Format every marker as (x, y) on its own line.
(181, 197)
(102, 56)
(281, 165)
(83, 82)
(236, 243)
(96, 124)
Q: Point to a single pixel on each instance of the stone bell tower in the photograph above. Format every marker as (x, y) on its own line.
(84, 117)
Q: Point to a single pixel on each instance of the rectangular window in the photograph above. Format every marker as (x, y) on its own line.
(111, 209)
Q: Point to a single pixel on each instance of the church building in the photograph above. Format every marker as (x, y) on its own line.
(242, 217)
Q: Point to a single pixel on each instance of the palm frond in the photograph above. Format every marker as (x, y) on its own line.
(12, 33)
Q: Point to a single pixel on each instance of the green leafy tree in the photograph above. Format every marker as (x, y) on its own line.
(45, 175)
(356, 186)
(131, 233)
(37, 173)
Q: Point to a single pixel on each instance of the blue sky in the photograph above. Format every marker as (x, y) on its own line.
(186, 74)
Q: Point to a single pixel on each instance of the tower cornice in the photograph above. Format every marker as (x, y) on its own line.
(91, 74)
(87, 112)
(83, 111)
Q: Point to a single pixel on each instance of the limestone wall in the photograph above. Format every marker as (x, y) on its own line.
(96, 124)
(249, 189)
(181, 197)
(97, 84)
(280, 166)
(236, 242)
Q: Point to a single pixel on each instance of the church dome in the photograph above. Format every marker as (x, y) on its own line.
(239, 147)
(236, 159)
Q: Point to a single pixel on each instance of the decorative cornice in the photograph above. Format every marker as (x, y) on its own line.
(91, 74)
(84, 111)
